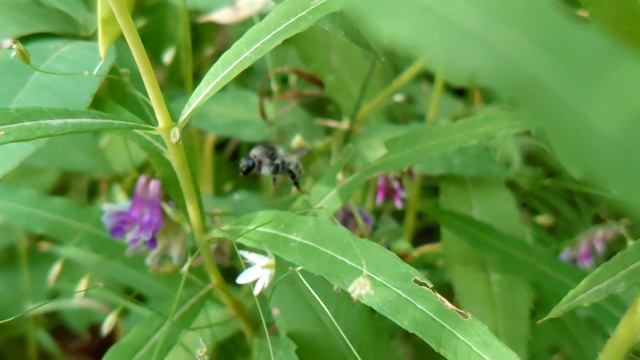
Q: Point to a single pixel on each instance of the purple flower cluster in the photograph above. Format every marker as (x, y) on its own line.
(589, 248)
(142, 220)
(393, 182)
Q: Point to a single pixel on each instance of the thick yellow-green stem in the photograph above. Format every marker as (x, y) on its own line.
(178, 159)
(625, 336)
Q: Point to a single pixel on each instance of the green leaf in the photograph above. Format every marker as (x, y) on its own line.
(498, 298)
(233, 113)
(620, 17)
(30, 123)
(86, 157)
(470, 161)
(540, 66)
(399, 291)
(416, 147)
(524, 259)
(14, 154)
(614, 276)
(329, 181)
(108, 27)
(283, 348)
(339, 24)
(284, 21)
(22, 86)
(305, 321)
(141, 341)
(25, 17)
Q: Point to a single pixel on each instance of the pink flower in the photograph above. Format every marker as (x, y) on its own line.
(393, 181)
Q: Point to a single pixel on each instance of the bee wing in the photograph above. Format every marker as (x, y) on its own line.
(300, 153)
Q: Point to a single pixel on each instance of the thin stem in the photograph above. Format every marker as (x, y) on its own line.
(207, 185)
(184, 46)
(178, 159)
(408, 75)
(174, 309)
(625, 335)
(413, 202)
(32, 348)
(434, 100)
(411, 212)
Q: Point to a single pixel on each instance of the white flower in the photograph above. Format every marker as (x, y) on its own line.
(238, 11)
(360, 287)
(262, 269)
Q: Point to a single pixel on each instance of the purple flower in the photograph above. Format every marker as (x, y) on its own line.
(142, 220)
(584, 257)
(394, 181)
(590, 248)
(347, 218)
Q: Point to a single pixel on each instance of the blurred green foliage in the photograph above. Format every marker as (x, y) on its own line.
(506, 130)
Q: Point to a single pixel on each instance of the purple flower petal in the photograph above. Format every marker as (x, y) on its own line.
(396, 184)
(366, 217)
(585, 258)
(139, 197)
(567, 255)
(152, 243)
(600, 241)
(397, 199)
(140, 223)
(381, 190)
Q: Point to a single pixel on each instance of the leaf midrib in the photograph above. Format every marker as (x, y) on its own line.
(300, 240)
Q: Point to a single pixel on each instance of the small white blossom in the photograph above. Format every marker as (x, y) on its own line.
(262, 269)
(201, 353)
(360, 287)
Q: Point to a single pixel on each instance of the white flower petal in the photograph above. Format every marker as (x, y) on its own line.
(262, 283)
(250, 274)
(234, 13)
(253, 258)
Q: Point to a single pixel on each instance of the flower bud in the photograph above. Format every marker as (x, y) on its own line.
(54, 272)
(109, 322)
(81, 289)
(175, 135)
(21, 52)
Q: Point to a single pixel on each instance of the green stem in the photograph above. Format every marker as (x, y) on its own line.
(410, 73)
(178, 159)
(32, 348)
(415, 192)
(411, 212)
(207, 185)
(625, 335)
(434, 100)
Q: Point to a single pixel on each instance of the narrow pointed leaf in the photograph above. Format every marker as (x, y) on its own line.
(30, 123)
(286, 20)
(416, 147)
(499, 298)
(108, 27)
(400, 292)
(527, 260)
(614, 276)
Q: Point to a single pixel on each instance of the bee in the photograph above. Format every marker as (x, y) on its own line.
(269, 161)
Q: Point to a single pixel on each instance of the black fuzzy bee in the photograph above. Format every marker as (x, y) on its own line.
(269, 161)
